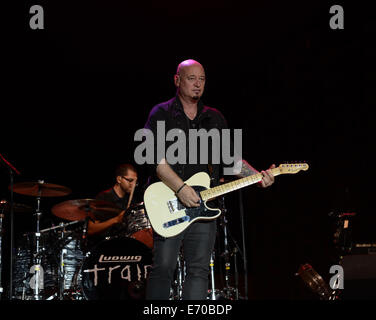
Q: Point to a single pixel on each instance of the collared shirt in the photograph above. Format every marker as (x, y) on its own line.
(172, 113)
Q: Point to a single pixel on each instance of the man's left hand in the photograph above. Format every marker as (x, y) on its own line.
(267, 178)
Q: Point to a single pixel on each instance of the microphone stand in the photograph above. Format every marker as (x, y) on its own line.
(11, 178)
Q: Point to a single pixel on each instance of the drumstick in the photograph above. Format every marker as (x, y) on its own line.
(131, 196)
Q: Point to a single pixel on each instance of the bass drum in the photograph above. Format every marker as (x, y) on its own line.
(116, 269)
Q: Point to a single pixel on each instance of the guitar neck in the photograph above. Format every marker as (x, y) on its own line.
(234, 185)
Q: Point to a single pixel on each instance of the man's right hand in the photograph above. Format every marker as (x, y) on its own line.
(189, 197)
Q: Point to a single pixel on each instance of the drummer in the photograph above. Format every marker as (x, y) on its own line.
(122, 195)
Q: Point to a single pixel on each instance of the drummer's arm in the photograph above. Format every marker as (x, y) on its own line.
(95, 227)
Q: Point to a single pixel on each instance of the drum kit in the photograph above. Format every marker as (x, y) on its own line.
(56, 263)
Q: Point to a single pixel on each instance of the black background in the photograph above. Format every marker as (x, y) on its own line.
(76, 92)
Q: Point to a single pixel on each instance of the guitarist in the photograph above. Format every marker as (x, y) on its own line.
(186, 111)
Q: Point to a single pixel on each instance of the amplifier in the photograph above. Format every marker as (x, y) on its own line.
(359, 271)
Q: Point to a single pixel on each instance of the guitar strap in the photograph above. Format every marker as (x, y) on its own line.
(213, 181)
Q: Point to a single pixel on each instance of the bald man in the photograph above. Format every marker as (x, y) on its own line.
(186, 111)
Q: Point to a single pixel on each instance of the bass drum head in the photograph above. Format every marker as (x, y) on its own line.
(116, 269)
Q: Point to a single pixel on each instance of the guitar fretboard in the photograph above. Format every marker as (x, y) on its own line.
(234, 185)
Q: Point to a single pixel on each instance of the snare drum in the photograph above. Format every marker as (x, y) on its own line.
(138, 225)
(116, 269)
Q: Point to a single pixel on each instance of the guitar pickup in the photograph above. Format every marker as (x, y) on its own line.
(175, 222)
(174, 205)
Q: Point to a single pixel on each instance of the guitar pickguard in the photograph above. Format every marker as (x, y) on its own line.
(202, 211)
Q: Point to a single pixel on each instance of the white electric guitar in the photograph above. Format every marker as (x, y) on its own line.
(169, 217)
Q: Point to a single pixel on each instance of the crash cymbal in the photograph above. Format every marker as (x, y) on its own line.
(80, 209)
(17, 207)
(41, 189)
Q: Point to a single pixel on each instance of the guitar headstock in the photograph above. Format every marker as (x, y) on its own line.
(293, 167)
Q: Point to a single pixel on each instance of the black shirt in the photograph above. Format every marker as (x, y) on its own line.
(111, 196)
(172, 113)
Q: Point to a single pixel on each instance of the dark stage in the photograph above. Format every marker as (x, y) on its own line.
(77, 91)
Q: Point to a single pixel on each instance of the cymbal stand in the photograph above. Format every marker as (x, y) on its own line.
(177, 287)
(234, 252)
(181, 276)
(212, 281)
(228, 290)
(226, 253)
(63, 252)
(84, 241)
(37, 280)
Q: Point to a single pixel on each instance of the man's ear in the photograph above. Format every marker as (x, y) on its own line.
(118, 179)
(177, 80)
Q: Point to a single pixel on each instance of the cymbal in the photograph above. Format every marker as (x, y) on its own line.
(40, 189)
(17, 207)
(81, 208)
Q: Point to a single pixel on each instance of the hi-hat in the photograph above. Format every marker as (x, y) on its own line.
(41, 189)
(80, 209)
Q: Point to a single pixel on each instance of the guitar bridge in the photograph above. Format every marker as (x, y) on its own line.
(174, 205)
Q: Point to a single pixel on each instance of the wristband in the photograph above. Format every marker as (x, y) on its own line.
(176, 193)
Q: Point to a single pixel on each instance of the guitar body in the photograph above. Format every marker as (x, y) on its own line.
(167, 214)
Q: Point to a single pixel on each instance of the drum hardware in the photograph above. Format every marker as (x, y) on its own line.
(234, 252)
(61, 253)
(25, 265)
(64, 246)
(227, 291)
(38, 190)
(63, 240)
(61, 226)
(70, 259)
(38, 277)
(176, 291)
(181, 269)
(212, 291)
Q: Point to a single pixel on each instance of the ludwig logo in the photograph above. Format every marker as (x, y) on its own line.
(104, 258)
